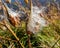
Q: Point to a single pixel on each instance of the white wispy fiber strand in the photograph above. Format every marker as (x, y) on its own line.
(36, 22)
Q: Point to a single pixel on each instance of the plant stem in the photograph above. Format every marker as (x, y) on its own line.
(8, 27)
(29, 42)
(28, 33)
(55, 43)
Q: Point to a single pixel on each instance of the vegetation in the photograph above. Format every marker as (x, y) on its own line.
(48, 37)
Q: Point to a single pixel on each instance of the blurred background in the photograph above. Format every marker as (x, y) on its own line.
(48, 37)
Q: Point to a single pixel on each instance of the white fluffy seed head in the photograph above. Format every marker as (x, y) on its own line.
(12, 13)
(36, 22)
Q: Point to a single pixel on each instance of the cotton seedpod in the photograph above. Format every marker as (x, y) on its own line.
(13, 16)
(15, 21)
(26, 1)
(36, 22)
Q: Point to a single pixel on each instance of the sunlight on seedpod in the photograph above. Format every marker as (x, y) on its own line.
(36, 22)
(13, 16)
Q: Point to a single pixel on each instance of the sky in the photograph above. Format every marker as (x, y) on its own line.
(41, 1)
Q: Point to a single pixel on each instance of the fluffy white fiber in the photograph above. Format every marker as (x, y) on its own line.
(36, 22)
(12, 13)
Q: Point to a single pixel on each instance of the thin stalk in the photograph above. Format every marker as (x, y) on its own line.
(28, 32)
(29, 35)
(55, 43)
(29, 41)
(8, 27)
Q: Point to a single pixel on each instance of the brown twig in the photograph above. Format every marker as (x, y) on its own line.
(8, 27)
(28, 32)
(29, 42)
